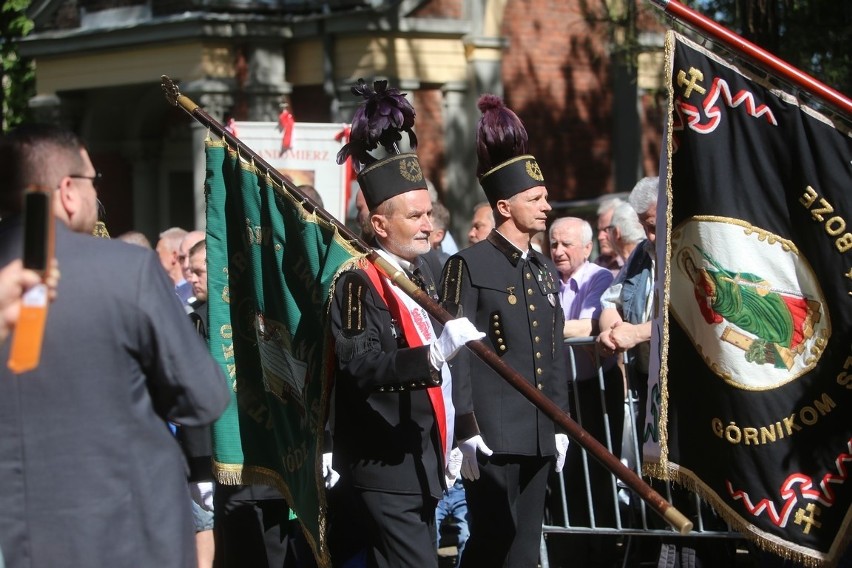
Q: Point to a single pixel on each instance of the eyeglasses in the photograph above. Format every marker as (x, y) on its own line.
(607, 228)
(95, 179)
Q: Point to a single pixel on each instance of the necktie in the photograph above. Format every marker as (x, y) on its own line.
(417, 278)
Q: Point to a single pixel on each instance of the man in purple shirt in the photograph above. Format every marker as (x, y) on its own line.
(581, 284)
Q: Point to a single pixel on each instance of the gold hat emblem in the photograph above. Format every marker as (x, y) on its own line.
(409, 168)
(534, 171)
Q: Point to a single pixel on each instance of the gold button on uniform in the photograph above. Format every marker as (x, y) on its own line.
(529, 291)
(532, 308)
(538, 371)
(540, 386)
(538, 355)
(535, 323)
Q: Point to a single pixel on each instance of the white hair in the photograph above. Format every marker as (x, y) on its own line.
(627, 221)
(585, 228)
(172, 237)
(643, 196)
(609, 204)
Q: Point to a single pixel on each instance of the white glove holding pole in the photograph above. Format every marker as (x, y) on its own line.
(470, 467)
(456, 333)
(331, 477)
(453, 469)
(561, 449)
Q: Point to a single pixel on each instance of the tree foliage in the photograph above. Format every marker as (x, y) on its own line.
(812, 35)
(18, 74)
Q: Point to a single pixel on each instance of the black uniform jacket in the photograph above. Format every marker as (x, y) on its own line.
(385, 434)
(515, 302)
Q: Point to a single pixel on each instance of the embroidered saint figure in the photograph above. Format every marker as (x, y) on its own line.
(780, 321)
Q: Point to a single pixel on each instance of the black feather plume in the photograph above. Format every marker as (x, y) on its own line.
(380, 120)
(500, 134)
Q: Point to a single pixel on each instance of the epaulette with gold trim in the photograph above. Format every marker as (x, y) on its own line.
(451, 286)
(352, 316)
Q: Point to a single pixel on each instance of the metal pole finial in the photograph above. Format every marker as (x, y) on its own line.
(173, 95)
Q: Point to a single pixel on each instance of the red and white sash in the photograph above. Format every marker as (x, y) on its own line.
(417, 329)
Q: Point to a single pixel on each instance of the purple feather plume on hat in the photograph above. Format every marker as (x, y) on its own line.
(380, 120)
(500, 134)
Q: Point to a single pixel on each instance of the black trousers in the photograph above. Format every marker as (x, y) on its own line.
(251, 528)
(381, 530)
(506, 506)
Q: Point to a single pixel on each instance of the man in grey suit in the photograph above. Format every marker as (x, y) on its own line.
(91, 474)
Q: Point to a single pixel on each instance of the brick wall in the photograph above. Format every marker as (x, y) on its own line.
(555, 73)
(653, 117)
(429, 127)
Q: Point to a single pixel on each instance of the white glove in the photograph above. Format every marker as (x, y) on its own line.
(331, 477)
(453, 469)
(202, 494)
(561, 449)
(456, 333)
(470, 467)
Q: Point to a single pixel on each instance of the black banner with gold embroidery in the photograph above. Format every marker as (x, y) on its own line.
(755, 336)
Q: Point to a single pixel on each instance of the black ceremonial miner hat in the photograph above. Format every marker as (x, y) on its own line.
(380, 120)
(390, 176)
(505, 167)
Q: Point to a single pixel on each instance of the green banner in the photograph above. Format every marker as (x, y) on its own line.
(271, 265)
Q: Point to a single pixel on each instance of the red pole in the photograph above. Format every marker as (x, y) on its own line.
(779, 67)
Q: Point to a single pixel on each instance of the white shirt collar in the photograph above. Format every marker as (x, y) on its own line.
(399, 262)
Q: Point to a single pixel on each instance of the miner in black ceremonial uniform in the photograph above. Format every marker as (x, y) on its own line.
(509, 291)
(392, 417)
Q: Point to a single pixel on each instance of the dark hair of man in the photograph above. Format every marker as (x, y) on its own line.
(35, 154)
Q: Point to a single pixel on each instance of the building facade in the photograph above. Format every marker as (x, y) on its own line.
(585, 76)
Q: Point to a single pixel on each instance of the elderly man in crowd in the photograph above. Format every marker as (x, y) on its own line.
(625, 232)
(625, 321)
(607, 257)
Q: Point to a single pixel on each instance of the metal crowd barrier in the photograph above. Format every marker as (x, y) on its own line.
(610, 508)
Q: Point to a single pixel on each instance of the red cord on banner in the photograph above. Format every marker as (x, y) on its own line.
(286, 121)
(349, 175)
(231, 126)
